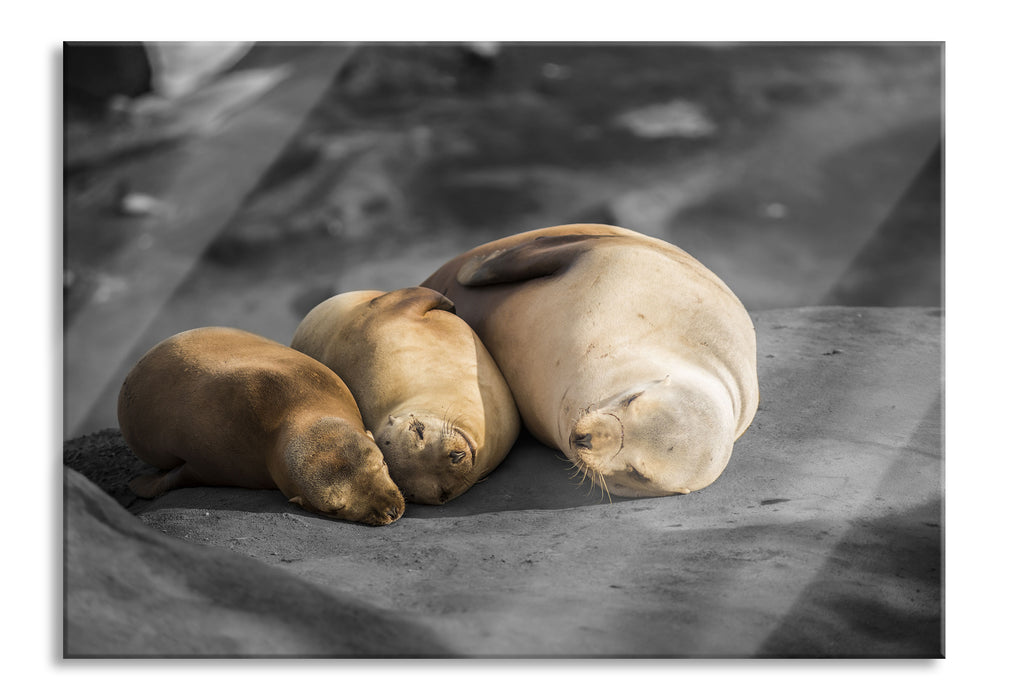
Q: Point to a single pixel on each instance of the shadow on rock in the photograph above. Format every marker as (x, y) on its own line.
(134, 592)
(532, 477)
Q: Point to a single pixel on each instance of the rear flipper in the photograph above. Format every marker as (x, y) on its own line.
(154, 484)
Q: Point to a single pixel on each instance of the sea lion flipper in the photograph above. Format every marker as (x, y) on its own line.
(417, 299)
(540, 257)
(149, 485)
(154, 484)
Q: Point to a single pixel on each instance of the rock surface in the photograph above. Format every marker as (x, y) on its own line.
(132, 591)
(823, 538)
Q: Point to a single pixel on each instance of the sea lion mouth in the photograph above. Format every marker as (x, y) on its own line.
(385, 514)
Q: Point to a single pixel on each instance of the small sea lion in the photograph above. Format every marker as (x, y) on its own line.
(427, 387)
(224, 407)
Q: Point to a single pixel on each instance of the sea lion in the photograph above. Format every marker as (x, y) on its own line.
(621, 350)
(427, 387)
(224, 407)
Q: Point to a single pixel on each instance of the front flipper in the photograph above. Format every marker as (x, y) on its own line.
(540, 257)
(154, 484)
(418, 300)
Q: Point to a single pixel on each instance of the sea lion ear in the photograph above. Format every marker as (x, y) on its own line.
(420, 300)
(540, 257)
(296, 500)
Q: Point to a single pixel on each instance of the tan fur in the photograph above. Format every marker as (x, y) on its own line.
(427, 387)
(224, 407)
(621, 350)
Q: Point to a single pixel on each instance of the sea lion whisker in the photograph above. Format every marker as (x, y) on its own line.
(605, 489)
(575, 472)
(578, 468)
(450, 423)
(595, 477)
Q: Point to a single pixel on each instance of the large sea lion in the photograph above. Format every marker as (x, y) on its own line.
(427, 387)
(621, 350)
(224, 407)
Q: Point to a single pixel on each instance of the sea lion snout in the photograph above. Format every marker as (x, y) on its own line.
(391, 513)
(382, 507)
(597, 438)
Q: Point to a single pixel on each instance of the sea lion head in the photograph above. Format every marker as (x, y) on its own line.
(431, 459)
(655, 439)
(337, 470)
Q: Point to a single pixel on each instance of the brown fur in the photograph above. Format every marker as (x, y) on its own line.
(427, 387)
(224, 407)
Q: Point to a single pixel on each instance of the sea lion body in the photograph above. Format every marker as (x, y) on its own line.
(427, 388)
(621, 350)
(224, 407)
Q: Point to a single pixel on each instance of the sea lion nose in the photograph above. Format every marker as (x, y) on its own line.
(600, 433)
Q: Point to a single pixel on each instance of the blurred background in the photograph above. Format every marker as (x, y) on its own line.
(240, 184)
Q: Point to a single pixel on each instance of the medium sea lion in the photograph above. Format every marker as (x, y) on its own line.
(621, 351)
(224, 407)
(427, 387)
